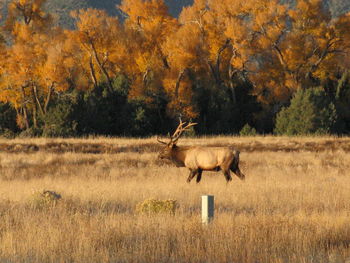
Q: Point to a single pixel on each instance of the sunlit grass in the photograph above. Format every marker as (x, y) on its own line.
(293, 207)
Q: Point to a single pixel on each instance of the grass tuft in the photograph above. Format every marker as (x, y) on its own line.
(154, 206)
(44, 199)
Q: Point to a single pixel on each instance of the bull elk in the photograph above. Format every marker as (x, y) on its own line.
(198, 159)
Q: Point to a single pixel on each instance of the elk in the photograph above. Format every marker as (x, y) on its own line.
(198, 159)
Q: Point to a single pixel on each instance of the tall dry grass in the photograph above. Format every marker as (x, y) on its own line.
(293, 207)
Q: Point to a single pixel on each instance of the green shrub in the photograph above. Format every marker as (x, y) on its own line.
(30, 133)
(154, 206)
(247, 130)
(7, 120)
(112, 112)
(310, 112)
(59, 120)
(7, 134)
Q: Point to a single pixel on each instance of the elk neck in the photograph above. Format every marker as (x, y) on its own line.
(178, 155)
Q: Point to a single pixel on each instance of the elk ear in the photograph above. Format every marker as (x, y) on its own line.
(171, 145)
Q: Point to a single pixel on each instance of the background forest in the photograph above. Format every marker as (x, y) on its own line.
(252, 66)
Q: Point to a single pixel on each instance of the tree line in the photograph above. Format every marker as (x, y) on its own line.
(243, 66)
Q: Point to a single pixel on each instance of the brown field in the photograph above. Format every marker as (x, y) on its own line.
(293, 207)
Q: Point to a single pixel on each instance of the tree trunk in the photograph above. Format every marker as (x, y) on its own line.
(163, 58)
(178, 82)
(215, 69)
(92, 72)
(48, 98)
(231, 74)
(341, 85)
(24, 107)
(35, 108)
(25, 115)
(145, 77)
(233, 92)
(102, 68)
(37, 101)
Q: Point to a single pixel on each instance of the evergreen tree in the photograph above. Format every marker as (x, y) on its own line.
(310, 112)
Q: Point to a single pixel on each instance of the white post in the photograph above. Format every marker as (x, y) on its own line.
(207, 208)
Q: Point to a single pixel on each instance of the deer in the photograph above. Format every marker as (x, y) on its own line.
(200, 158)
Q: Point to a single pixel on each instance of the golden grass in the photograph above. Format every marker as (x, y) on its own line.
(117, 145)
(293, 207)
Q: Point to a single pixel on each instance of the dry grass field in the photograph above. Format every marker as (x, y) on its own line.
(293, 207)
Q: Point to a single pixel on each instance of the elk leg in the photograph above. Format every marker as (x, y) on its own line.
(234, 167)
(199, 175)
(237, 172)
(227, 175)
(191, 175)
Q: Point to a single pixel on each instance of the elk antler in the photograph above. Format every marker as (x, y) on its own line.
(160, 141)
(180, 129)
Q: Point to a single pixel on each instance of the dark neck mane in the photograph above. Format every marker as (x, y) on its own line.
(179, 155)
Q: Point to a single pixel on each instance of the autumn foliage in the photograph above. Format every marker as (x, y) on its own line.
(224, 63)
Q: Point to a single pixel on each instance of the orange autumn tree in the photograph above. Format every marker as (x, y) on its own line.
(216, 53)
(297, 51)
(28, 12)
(209, 50)
(325, 40)
(267, 27)
(147, 25)
(2, 51)
(187, 52)
(278, 48)
(77, 64)
(232, 53)
(27, 27)
(233, 44)
(37, 65)
(182, 49)
(100, 39)
(57, 72)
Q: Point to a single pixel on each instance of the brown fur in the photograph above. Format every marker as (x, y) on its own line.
(198, 159)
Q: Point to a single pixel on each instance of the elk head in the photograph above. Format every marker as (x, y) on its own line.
(166, 152)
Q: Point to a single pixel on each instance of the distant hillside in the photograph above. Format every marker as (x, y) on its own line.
(61, 8)
(337, 7)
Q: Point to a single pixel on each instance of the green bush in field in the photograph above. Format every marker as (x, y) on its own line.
(311, 112)
(44, 199)
(191, 132)
(154, 206)
(247, 130)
